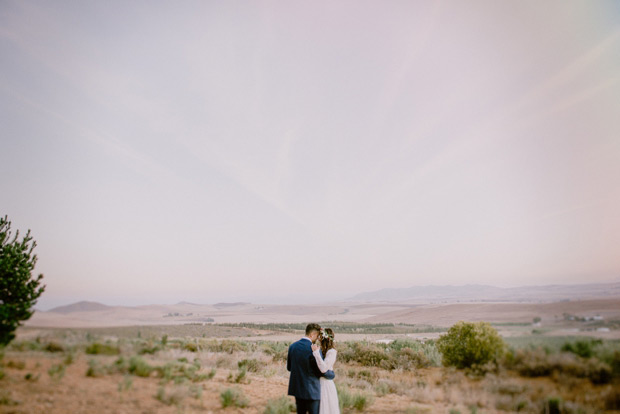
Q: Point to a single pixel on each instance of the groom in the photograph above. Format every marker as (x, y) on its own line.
(304, 381)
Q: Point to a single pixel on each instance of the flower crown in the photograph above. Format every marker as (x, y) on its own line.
(324, 335)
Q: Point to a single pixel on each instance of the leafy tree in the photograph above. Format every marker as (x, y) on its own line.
(19, 290)
(467, 345)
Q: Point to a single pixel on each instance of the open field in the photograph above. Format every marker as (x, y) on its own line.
(600, 317)
(199, 369)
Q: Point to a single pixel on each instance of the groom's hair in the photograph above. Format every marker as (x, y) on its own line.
(312, 327)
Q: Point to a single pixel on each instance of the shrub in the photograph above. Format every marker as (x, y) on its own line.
(348, 400)
(180, 371)
(583, 348)
(233, 397)
(240, 378)
(53, 347)
(6, 399)
(126, 384)
(407, 359)
(174, 397)
(538, 363)
(467, 345)
(282, 405)
(369, 355)
(97, 348)
(56, 371)
(15, 364)
(94, 369)
(31, 377)
(139, 367)
(149, 348)
(252, 365)
(553, 405)
(231, 347)
(277, 350)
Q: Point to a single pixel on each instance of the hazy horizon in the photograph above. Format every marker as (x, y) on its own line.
(215, 151)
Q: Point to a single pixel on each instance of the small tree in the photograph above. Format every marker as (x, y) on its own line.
(469, 344)
(19, 291)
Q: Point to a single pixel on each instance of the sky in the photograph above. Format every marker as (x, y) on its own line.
(293, 151)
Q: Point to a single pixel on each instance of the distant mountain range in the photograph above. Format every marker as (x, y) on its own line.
(83, 306)
(486, 293)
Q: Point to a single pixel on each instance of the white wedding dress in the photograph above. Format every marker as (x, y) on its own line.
(329, 395)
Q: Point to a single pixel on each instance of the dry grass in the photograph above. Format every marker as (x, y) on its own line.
(250, 377)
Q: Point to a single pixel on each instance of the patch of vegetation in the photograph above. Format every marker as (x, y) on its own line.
(400, 354)
(97, 348)
(538, 363)
(95, 369)
(53, 347)
(583, 348)
(181, 371)
(240, 377)
(282, 405)
(342, 327)
(175, 396)
(15, 364)
(149, 348)
(31, 377)
(277, 350)
(6, 399)
(233, 397)
(251, 365)
(126, 384)
(471, 345)
(57, 371)
(348, 400)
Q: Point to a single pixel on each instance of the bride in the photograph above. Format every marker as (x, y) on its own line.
(329, 395)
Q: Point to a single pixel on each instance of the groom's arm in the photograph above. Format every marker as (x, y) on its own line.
(329, 374)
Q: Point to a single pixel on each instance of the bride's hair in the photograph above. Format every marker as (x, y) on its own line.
(327, 341)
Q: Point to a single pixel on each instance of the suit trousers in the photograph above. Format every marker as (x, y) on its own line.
(307, 406)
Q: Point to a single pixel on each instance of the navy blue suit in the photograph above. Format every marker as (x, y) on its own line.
(304, 380)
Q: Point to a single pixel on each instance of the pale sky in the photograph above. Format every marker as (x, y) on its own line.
(304, 150)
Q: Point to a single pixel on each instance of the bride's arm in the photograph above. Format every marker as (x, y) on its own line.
(330, 358)
(319, 361)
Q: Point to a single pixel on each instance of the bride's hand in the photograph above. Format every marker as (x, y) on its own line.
(314, 347)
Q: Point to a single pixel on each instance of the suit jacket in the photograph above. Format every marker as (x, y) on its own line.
(305, 373)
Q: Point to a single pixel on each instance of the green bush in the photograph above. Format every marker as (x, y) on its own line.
(97, 348)
(348, 400)
(553, 405)
(538, 363)
(94, 369)
(233, 397)
(56, 371)
(282, 405)
(139, 367)
(173, 397)
(53, 347)
(583, 348)
(470, 345)
(251, 365)
(277, 350)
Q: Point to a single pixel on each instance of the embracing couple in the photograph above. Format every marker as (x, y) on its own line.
(311, 363)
